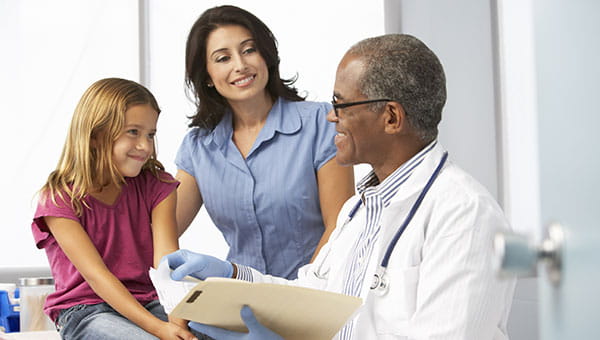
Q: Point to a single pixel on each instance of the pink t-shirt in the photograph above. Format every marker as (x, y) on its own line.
(121, 233)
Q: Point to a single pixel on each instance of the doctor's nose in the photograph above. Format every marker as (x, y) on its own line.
(331, 116)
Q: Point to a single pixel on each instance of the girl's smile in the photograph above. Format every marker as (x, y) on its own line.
(136, 143)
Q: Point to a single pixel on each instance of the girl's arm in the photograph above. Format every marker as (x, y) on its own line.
(80, 250)
(164, 236)
(336, 186)
(189, 202)
(164, 228)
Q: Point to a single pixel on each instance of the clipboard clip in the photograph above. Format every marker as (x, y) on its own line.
(194, 296)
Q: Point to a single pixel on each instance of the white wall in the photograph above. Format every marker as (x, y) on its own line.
(52, 51)
(520, 168)
(459, 32)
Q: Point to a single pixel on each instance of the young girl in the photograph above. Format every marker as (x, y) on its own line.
(105, 216)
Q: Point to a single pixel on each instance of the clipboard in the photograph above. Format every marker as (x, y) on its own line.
(295, 313)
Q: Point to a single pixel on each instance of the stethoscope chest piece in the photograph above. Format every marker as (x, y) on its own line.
(380, 283)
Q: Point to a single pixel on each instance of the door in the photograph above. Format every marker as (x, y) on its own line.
(567, 59)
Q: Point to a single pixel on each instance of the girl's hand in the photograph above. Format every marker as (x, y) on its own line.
(179, 322)
(171, 331)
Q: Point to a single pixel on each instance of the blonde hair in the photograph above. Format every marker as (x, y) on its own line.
(99, 116)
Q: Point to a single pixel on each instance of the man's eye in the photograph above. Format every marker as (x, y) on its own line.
(151, 135)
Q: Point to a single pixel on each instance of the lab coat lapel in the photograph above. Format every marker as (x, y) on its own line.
(392, 219)
(413, 185)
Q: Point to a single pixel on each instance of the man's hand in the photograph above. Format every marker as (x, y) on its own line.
(184, 262)
(256, 331)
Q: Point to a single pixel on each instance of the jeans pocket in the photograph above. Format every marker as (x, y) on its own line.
(71, 316)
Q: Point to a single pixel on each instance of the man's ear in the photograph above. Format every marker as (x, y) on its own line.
(395, 118)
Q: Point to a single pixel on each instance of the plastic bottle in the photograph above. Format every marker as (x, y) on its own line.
(33, 293)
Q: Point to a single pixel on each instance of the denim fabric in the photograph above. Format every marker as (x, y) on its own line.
(102, 322)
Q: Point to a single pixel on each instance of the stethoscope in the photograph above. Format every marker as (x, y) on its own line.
(380, 282)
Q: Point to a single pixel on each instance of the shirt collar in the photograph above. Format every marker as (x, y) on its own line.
(222, 132)
(275, 123)
(370, 185)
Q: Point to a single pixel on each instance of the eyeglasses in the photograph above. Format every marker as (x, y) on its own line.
(337, 106)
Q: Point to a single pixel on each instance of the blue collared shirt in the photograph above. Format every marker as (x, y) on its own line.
(267, 205)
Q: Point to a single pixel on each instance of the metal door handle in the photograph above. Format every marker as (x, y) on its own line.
(515, 255)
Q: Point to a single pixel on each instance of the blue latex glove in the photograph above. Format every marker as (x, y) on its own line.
(184, 262)
(256, 331)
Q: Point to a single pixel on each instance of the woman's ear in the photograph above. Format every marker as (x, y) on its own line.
(395, 118)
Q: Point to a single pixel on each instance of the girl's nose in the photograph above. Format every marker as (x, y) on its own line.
(145, 144)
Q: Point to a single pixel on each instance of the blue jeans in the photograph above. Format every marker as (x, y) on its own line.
(102, 322)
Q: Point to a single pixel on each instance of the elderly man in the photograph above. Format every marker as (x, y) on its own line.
(416, 242)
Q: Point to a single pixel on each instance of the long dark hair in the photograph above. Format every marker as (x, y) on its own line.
(210, 105)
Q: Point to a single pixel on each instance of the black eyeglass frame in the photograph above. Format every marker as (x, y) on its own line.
(337, 106)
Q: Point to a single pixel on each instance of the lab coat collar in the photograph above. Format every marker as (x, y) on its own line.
(421, 174)
(370, 186)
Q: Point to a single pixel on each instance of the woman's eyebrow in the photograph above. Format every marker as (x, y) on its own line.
(247, 41)
(219, 50)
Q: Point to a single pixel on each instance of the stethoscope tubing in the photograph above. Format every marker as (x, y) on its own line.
(379, 276)
(413, 211)
(380, 283)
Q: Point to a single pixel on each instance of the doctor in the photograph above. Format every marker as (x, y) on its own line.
(416, 242)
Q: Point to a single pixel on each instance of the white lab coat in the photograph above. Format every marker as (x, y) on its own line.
(442, 284)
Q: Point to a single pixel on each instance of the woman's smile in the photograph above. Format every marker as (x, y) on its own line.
(243, 82)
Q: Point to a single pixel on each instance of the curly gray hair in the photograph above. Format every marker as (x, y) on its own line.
(403, 68)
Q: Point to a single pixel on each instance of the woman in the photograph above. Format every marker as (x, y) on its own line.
(259, 157)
